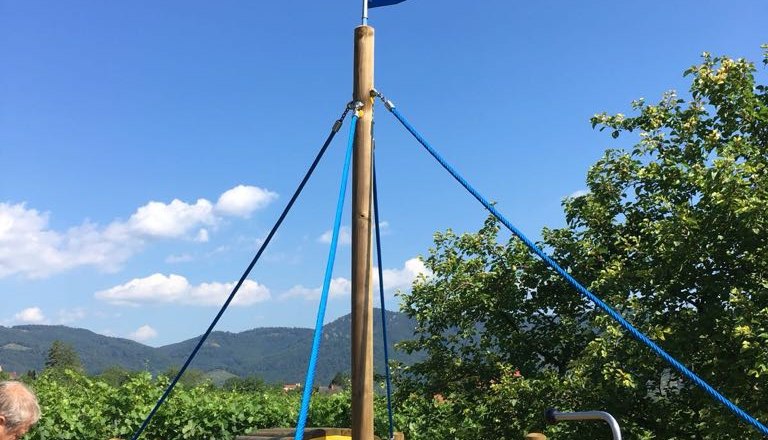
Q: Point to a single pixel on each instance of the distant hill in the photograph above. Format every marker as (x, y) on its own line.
(275, 354)
(25, 347)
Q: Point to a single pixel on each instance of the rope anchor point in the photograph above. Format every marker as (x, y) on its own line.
(387, 103)
(357, 106)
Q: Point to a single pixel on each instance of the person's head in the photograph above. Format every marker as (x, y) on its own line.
(18, 410)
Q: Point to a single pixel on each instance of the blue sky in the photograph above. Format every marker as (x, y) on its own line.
(146, 148)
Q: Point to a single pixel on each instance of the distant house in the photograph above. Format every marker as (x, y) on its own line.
(291, 386)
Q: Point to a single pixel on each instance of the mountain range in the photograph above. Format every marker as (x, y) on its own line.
(275, 354)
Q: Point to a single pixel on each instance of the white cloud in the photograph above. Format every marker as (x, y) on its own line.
(579, 193)
(176, 219)
(202, 236)
(164, 289)
(342, 287)
(28, 246)
(31, 315)
(345, 236)
(243, 200)
(68, 316)
(249, 293)
(143, 333)
(339, 287)
(154, 288)
(402, 279)
(299, 291)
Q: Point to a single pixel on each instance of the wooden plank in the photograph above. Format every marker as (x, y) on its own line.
(309, 434)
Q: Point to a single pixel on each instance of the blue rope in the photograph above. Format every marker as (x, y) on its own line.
(335, 129)
(383, 309)
(572, 281)
(307, 395)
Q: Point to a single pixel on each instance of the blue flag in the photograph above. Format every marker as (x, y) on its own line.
(377, 3)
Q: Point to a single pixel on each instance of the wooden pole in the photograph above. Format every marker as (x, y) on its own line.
(362, 294)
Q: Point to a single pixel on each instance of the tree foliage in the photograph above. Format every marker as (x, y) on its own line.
(673, 233)
(62, 355)
(250, 383)
(342, 379)
(116, 375)
(190, 378)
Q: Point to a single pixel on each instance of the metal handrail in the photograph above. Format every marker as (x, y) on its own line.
(554, 416)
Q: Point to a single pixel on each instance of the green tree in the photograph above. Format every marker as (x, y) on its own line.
(250, 383)
(62, 355)
(116, 375)
(191, 377)
(30, 376)
(342, 379)
(673, 233)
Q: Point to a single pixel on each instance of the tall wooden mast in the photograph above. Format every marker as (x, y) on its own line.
(362, 297)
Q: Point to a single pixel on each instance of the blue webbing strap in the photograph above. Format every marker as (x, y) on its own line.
(572, 281)
(381, 296)
(335, 129)
(307, 395)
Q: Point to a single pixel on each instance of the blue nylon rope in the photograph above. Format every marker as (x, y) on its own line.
(247, 272)
(572, 281)
(383, 309)
(307, 395)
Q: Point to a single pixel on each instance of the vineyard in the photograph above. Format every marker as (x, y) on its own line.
(82, 407)
(76, 406)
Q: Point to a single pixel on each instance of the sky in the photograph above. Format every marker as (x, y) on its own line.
(147, 148)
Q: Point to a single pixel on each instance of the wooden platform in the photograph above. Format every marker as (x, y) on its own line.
(309, 434)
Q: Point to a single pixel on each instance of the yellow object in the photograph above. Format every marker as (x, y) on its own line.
(309, 434)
